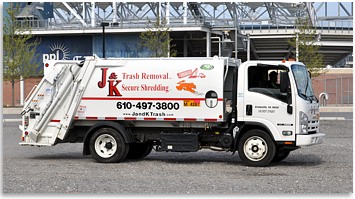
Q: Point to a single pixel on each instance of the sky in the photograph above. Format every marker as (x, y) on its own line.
(333, 9)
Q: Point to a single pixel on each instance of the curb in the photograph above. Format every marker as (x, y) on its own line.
(12, 111)
(335, 109)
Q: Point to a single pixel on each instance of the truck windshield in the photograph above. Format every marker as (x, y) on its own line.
(303, 82)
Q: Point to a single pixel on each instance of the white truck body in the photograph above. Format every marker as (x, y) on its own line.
(175, 104)
(154, 90)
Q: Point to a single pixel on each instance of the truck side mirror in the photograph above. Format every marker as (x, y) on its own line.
(289, 109)
(284, 88)
(284, 82)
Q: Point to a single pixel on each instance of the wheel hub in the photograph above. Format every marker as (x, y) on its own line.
(108, 145)
(105, 145)
(255, 148)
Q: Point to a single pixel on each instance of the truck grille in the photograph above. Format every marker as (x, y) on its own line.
(313, 126)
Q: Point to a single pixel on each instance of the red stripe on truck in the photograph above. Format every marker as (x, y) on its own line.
(55, 120)
(140, 98)
(170, 119)
(146, 118)
(130, 118)
(150, 118)
(110, 118)
(190, 119)
(210, 120)
(91, 118)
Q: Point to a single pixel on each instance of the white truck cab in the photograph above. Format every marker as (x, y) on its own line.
(290, 110)
(123, 108)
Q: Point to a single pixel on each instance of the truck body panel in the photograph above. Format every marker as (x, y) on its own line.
(150, 90)
(123, 107)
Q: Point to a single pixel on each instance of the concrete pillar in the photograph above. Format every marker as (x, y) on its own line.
(248, 47)
(114, 10)
(185, 11)
(84, 12)
(297, 47)
(22, 90)
(159, 12)
(93, 17)
(208, 44)
(167, 13)
(236, 43)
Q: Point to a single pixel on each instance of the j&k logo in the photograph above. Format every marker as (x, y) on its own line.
(112, 83)
(59, 51)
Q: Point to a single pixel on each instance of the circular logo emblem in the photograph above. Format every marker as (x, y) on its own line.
(60, 50)
(207, 67)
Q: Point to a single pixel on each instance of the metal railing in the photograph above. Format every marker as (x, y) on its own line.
(323, 26)
(76, 24)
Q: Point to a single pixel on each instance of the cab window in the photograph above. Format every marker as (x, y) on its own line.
(266, 80)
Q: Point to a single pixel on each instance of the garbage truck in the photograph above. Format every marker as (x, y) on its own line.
(123, 108)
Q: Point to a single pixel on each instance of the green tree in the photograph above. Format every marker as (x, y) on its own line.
(157, 39)
(19, 47)
(305, 39)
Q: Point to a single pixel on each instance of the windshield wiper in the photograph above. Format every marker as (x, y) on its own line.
(306, 97)
(315, 98)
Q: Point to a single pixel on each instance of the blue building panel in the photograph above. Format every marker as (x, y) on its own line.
(121, 45)
(75, 47)
(64, 47)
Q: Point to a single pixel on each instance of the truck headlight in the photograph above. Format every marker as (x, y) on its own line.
(303, 123)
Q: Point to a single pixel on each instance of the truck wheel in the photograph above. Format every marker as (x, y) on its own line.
(281, 154)
(107, 146)
(139, 150)
(256, 148)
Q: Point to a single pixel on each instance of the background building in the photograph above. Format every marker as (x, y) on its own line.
(241, 30)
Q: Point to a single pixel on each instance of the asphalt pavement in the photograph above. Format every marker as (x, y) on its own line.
(325, 168)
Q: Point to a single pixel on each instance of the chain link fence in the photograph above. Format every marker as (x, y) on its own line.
(339, 91)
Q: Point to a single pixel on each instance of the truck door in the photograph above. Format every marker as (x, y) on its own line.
(265, 104)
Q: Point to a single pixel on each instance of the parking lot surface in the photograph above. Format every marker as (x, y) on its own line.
(325, 168)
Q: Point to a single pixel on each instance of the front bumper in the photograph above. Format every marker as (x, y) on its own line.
(311, 139)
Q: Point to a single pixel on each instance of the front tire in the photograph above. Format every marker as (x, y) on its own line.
(256, 148)
(107, 145)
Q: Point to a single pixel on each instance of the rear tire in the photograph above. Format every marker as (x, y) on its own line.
(107, 145)
(256, 148)
(139, 150)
